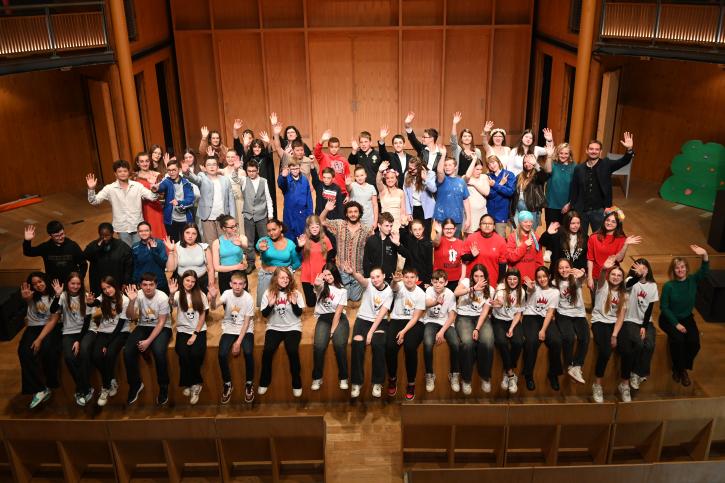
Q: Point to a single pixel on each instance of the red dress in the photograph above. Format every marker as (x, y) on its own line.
(153, 212)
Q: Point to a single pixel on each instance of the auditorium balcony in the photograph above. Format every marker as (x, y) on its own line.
(53, 35)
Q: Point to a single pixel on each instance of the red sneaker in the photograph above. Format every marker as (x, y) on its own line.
(410, 392)
(392, 387)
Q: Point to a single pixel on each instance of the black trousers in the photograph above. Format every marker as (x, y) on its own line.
(532, 326)
(603, 340)
(357, 358)
(105, 362)
(39, 370)
(573, 329)
(391, 346)
(175, 230)
(272, 340)
(191, 357)
(509, 347)
(412, 340)
(310, 296)
(158, 349)
(79, 365)
(683, 347)
(225, 348)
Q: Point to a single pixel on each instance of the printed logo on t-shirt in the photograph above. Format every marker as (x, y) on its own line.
(74, 307)
(642, 299)
(329, 195)
(327, 302)
(541, 303)
(408, 307)
(149, 314)
(281, 307)
(452, 255)
(377, 303)
(190, 313)
(41, 307)
(477, 302)
(234, 313)
(338, 166)
(512, 300)
(435, 311)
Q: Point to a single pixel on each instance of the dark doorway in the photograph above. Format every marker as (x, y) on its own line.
(545, 94)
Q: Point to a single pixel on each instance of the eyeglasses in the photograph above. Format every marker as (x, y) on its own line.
(232, 227)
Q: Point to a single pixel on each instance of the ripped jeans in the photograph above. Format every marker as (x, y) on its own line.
(357, 359)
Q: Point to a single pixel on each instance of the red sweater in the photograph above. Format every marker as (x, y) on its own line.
(525, 259)
(338, 163)
(313, 262)
(491, 252)
(599, 250)
(447, 256)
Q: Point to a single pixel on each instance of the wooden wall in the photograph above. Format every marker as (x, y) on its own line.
(152, 24)
(352, 65)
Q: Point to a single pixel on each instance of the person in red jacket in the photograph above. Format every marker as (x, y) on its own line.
(608, 240)
(486, 247)
(523, 251)
(333, 160)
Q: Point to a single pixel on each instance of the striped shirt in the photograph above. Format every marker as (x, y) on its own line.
(350, 245)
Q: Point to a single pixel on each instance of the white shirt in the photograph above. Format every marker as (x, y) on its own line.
(236, 309)
(406, 302)
(403, 161)
(509, 307)
(472, 306)
(329, 305)
(150, 309)
(255, 184)
(186, 321)
(565, 307)
(106, 325)
(39, 311)
(640, 296)
(125, 204)
(373, 300)
(438, 314)
(539, 302)
(598, 312)
(516, 161)
(72, 318)
(282, 318)
(217, 203)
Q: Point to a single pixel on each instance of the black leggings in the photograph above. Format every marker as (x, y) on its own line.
(573, 329)
(310, 295)
(106, 362)
(191, 357)
(603, 340)
(509, 348)
(532, 326)
(39, 370)
(272, 340)
(247, 348)
(683, 347)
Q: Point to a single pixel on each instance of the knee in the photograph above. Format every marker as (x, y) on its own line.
(467, 345)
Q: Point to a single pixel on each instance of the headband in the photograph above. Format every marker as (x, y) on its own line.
(498, 130)
(614, 210)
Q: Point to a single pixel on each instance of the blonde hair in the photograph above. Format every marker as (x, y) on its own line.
(314, 219)
(557, 149)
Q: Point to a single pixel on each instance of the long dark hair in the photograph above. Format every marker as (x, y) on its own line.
(337, 280)
(521, 150)
(108, 304)
(572, 285)
(618, 230)
(649, 277)
(37, 295)
(566, 233)
(479, 267)
(197, 303)
(81, 292)
(520, 292)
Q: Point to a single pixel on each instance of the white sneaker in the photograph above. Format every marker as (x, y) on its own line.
(486, 386)
(575, 372)
(261, 390)
(40, 397)
(430, 382)
(297, 392)
(505, 382)
(186, 392)
(316, 383)
(455, 382)
(355, 391)
(80, 401)
(467, 388)
(343, 384)
(634, 380)
(103, 398)
(597, 394)
(114, 388)
(377, 390)
(624, 392)
(513, 384)
(194, 391)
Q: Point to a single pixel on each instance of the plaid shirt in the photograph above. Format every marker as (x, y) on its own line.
(350, 245)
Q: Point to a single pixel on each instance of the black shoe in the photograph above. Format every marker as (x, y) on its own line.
(530, 384)
(554, 381)
(685, 378)
(163, 395)
(133, 394)
(676, 376)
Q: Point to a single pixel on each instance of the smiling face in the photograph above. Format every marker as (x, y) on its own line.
(334, 148)
(498, 139)
(74, 285)
(377, 278)
(360, 176)
(564, 155)
(352, 214)
(529, 162)
(512, 281)
(108, 289)
(398, 145)
(610, 223)
(466, 138)
(526, 225)
(291, 134)
(314, 229)
(449, 167)
(38, 284)
(391, 179)
(594, 150)
(105, 236)
(189, 282)
(680, 270)
(527, 139)
(215, 139)
(58, 237)
(364, 144)
(493, 164)
(144, 162)
(327, 277)
(563, 267)
(122, 174)
(231, 155)
(410, 280)
(449, 230)
(212, 167)
(616, 275)
(173, 171)
(542, 279)
(144, 232)
(282, 279)
(274, 231)
(256, 150)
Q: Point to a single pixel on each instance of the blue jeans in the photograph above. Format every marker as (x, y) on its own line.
(357, 358)
(339, 345)
(158, 348)
(263, 279)
(225, 348)
(354, 290)
(464, 327)
(593, 218)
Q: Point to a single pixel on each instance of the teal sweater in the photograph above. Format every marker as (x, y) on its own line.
(678, 297)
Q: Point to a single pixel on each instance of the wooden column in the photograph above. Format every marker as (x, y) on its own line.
(583, 60)
(125, 68)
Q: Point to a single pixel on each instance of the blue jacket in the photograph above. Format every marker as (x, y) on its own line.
(147, 259)
(167, 189)
(499, 198)
(297, 203)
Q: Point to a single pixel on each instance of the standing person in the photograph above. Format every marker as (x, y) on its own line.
(529, 194)
(232, 170)
(399, 160)
(153, 211)
(527, 146)
(420, 188)
(326, 190)
(636, 342)
(408, 308)
(297, 193)
(608, 240)
(156, 154)
(111, 335)
(508, 334)
(420, 251)
(608, 311)
(676, 320)
(60, 254)
(428, 151)
(362, 154)
(108, 256)
(178, 194)
(591, 184)
(291, 133)
(149, 255)
(523, 250)
(333, 160)
(216, 199)
(366, 195)
(213, 140)
(567, 241)
(258, 207)
(486, 247)
(383, 248)
(332, 325)
(392, 198)
(190, 253)
(452, 197)
(125, 196)
(351, 236)
(571, 317)
(228, 250)
(465, 152)
(478, 189)
(237, 333)
(274, 251)
(541, 303)
(447, 252)
(295, 150)
(315, 248)
(191, 308)
(502, 185)
(558, 187)
(495, 140)
(153, 331)
(369, 329)
(281, 305)
(40, 345)
(259, 150)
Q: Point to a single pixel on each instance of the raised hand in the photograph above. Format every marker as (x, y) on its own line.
(548, 135)
(397, 276)
(553, 228)
(131, 292)
(326, 135)
(348, 180)
(285, 172)
(263, 245)
(640, 269)
(504, 179)
(152, 242)
(529, 283)
(276, 128)
(698, 250)
(273, 119)
(57, 286)
(169, 244)
(212, 291)
(238, 123)
(347, 268)
(91, 181)
(330, 205)
(319, 280)
(90, 298)
(173, 286)
(29, 232)
(166, 159)
(354, 146)
(409, 118)
(578, 272)
(264, 136)
(26, 292)
(633, 240)
(628, 141)
(204, 132)
(383, 166)
(293, 297)
(209, 151)
(609, 262)
(457, 116)
(301, 240)
(384, 131)
(395, 237)
(529, 241)
(480, 285)
(488, 126)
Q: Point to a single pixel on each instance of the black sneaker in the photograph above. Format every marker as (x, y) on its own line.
(530, 384)
(133, 393)
(410, 392)
(227, 392)
(248, 392)
(163, 395)
(554, 381)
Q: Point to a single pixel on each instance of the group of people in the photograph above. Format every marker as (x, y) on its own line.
(432, 247)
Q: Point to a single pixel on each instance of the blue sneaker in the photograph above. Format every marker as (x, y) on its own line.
(40, 397)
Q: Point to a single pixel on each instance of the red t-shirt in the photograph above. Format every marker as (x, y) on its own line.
(525, 259)
(447, 256)
(599, 250)
(338, 163)
(491, 252)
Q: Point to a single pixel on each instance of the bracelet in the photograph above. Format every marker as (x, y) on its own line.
(196, 332)
(475, 330)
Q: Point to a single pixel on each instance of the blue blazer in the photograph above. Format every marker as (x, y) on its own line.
(500, 195)
(167, 188)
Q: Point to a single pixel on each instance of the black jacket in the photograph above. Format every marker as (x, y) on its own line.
(394, 161)
(59, 260)
(533, 193)
(265, 160)
(370, 161)
(553, 242)
(382, 253)
(420, 254)
(603, 169)
(422, 152)
(114, 259)
(324, 193)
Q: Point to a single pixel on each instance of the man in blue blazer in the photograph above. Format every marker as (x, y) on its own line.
(216, 197)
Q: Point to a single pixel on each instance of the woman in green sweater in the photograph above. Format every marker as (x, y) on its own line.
(678, 300)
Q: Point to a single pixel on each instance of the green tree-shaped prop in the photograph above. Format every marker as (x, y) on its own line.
(697, 173)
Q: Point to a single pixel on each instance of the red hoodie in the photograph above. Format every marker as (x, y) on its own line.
(338, 163)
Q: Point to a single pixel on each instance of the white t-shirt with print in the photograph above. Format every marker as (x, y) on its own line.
(150, 309)
(407, 302)
(70, 307)
(565, 306)
(186, 321)
(539, 302)
(509, 307)
(438, 314)
(329, 305)
(373, 300)
(471, 306)
(39, 311)
(282, 318)
(108, 325)
(598, 311)
(641, 294)
(236, 309)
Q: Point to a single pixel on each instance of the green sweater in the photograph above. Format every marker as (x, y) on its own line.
(678, 297)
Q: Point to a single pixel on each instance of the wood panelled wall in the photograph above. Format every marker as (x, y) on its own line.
(352, 65)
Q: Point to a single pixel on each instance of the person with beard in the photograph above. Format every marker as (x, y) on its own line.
(60, 254)
(108, 256)
(351, 236)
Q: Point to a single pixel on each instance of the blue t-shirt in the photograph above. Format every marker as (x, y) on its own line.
(558, 185)
(452, 191)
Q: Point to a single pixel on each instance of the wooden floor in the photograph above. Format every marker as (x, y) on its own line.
(363, 439)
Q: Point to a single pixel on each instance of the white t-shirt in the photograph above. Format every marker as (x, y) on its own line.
(472, 306)
(373, 300)
(565, 306)
(438, 314)
(217, 201)
(108, 325)
(336, 297)
(407, 302)
(70, 307)
(539, 302)
(640, 296)
(186, 321)
(516, 161)
(509, 307)
(282, 318)
(39, 311)
(150, 309)
(598, 314)
(235, 311)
